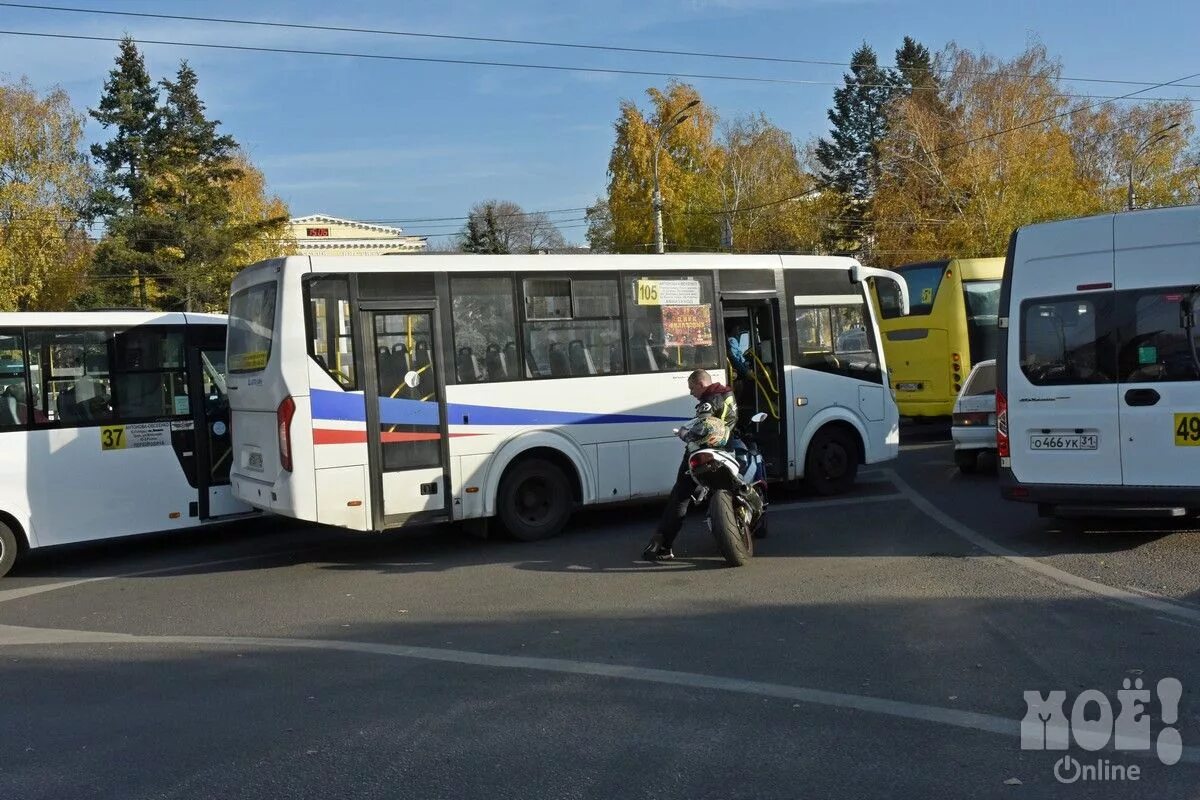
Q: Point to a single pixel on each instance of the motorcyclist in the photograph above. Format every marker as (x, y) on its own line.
(714, 400)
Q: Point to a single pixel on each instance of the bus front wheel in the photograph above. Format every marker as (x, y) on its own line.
(831, 464)
(534, 500)
(8, 548)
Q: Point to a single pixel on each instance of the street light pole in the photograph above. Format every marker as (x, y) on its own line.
(656, 200)
(1152, 139)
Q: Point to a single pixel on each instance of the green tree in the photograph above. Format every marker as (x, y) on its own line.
(45, 188)
(848, 160)
(127, 107)
(482, 232)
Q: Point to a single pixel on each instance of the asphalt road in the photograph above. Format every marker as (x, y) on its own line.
(878, 645)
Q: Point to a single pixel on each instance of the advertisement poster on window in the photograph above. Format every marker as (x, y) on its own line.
(687, 325)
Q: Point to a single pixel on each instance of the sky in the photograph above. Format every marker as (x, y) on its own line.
(411, 143)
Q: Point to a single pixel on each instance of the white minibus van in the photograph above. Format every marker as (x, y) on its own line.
(1098, 408)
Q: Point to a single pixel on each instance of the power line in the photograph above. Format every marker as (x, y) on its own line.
(521, 42)
(482, 63)
(425, 59)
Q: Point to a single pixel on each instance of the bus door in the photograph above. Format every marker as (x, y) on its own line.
(406, 419)
(209, 406)
(754, 325)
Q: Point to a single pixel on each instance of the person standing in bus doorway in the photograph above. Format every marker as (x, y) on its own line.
(717, 401)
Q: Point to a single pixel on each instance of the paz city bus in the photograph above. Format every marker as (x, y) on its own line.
(372, 392)
(951, 327)
(1098, 396)
(111, 424)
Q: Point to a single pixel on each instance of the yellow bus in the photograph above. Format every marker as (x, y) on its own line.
(952, 325)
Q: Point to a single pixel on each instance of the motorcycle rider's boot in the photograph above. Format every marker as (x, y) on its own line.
(656, 551)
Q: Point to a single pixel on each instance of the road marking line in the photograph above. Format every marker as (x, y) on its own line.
(1031, 564)
(11, 635)
(7, 595)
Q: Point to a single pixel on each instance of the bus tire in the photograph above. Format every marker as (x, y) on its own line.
(831, 464)
(10, 544)
(534, 500)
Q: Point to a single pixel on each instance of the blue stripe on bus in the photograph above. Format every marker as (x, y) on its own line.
(352, 408)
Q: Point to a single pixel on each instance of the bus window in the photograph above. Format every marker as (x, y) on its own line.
(983, 310)
(836, 339)
(923, 282)
(251, 328)
(485, 329)
(76, 384)
(14, 410)
(149, 373)
(669, 323)
(572, 328)
(331, 337)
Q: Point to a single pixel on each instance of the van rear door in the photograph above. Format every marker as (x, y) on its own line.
(1159, 390)
(1062, 394)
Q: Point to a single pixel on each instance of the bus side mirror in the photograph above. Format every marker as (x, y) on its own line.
(860, 273)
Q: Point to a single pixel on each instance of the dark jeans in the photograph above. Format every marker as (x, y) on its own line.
(677, 506)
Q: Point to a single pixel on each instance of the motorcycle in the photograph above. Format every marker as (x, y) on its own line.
(734, 489)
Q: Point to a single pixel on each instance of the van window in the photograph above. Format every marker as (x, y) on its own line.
(1068, 340)
(1154, 346)
(251, 328)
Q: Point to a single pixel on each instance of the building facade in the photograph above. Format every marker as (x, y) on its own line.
(323, 235)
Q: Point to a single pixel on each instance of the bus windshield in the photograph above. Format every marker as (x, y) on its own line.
(923, 281)
(251, 328)
(982, 300)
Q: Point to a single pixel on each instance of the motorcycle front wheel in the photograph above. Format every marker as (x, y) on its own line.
(732, 537)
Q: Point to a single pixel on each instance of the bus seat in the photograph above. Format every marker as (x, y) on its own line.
(559, 368)
(577, 356)
(493, 362)
(8, 410)
(465, 366)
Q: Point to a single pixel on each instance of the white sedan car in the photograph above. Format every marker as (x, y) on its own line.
(974, 421)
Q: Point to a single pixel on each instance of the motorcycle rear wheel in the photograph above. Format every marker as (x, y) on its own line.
(732, 538)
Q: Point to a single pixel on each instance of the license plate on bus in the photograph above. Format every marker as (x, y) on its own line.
(908, 387)
(1063, 441)
(254, 460)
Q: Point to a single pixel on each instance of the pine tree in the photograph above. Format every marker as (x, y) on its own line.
(189, 192)
(128, 106)
(848, 160)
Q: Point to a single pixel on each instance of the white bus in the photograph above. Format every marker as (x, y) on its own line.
(1098, 409)
(373, 392)
(111, 424)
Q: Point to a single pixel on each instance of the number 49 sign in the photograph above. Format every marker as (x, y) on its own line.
(1187, 429)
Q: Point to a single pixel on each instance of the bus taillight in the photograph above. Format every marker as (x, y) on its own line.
(1002, 449)
(283, 418)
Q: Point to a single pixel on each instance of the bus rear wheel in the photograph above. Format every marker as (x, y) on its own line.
(831, 464)
(534, 500)
(8, 548)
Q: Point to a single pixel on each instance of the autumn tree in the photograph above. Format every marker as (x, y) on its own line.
(45, 186)
(1136, 152)
(600, 227)
(958, 181)
(689, 167)
(762, 187)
